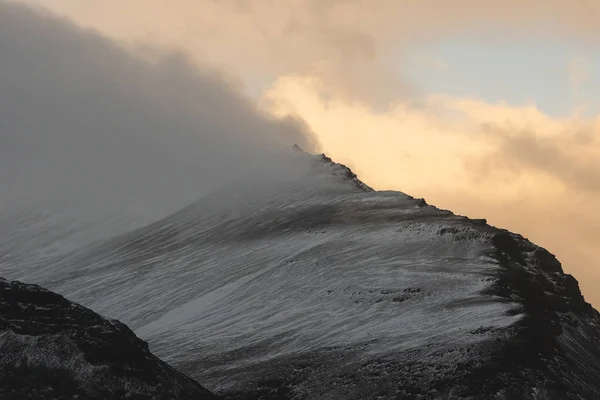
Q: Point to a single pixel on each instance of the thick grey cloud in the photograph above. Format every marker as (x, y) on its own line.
(83, 120)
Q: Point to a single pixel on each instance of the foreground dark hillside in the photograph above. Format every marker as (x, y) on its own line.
(51, 348)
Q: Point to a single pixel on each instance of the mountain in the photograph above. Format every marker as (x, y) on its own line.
(319, 287)
(52, 348)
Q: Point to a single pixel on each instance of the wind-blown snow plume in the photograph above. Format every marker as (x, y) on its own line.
(95, 140)
(84, 120)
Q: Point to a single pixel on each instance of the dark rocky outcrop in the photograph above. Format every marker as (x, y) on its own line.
(556, 346)
(52, 348)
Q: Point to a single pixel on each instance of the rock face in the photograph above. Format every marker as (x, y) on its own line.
(323, 288)
(553, 351)
(51, 348)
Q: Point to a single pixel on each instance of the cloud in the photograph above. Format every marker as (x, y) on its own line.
(569, 160)
(355, 39)
(84, 120)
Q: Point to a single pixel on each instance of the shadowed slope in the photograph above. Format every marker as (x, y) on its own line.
(52, 348)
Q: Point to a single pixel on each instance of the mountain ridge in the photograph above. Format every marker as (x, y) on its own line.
(333, 290)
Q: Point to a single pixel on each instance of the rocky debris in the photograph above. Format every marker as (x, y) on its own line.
(52, 348)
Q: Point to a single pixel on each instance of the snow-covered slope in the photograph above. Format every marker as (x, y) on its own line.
(320, 287)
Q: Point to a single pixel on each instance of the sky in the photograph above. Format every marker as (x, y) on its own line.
(539, 71)
(487, 108)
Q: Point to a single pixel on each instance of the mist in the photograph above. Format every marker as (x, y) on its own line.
(85, 122)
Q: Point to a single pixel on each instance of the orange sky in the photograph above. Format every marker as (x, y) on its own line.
(329, 63)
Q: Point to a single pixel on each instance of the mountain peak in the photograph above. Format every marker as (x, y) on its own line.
(324, 165)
